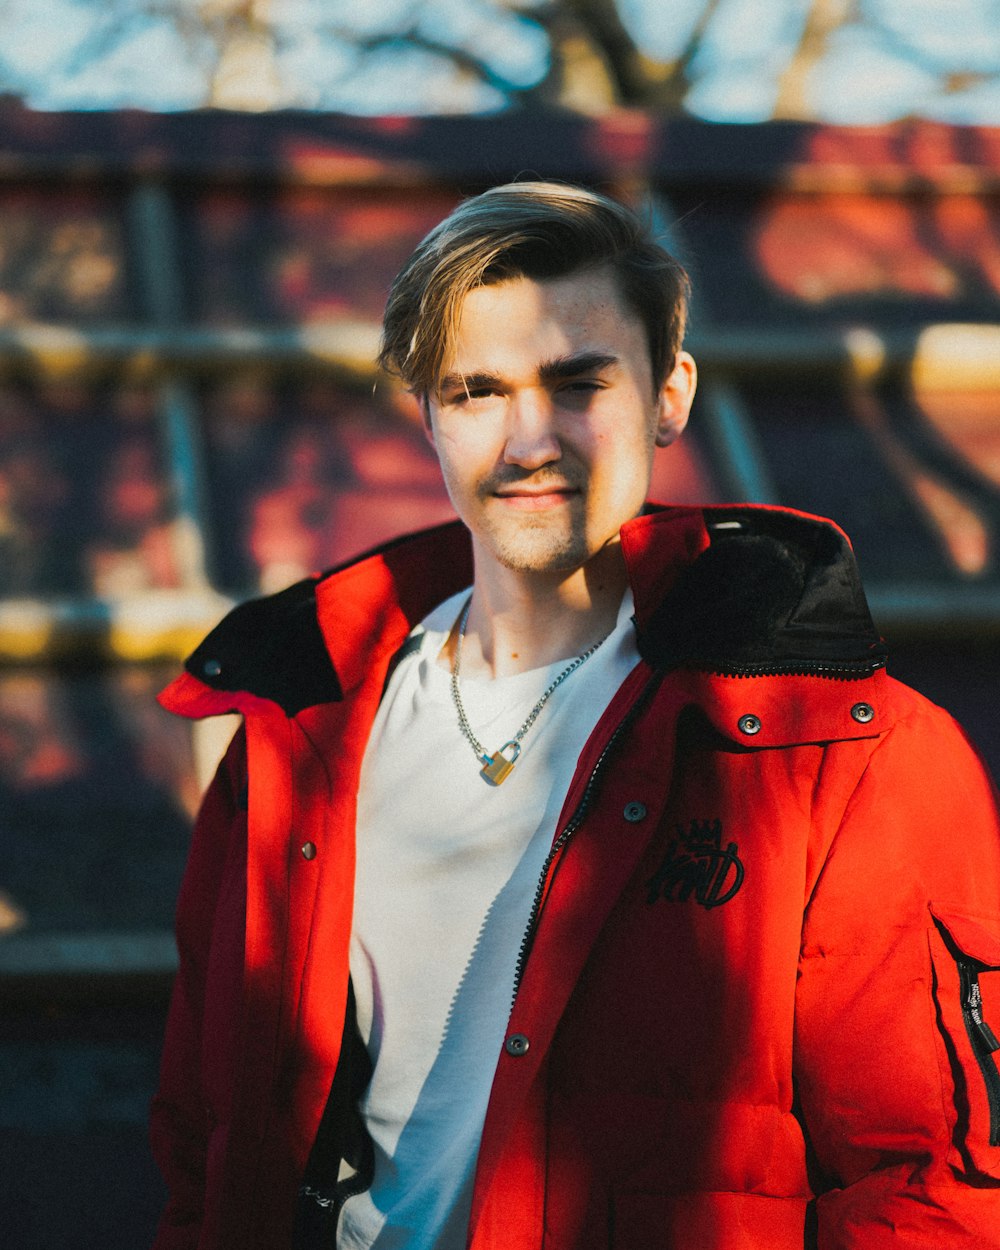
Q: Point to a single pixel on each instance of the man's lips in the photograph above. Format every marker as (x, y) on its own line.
(534, 498)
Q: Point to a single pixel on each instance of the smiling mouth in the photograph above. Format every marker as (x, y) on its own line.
(536, 499)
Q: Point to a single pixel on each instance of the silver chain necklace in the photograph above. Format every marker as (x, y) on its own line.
(496, 768)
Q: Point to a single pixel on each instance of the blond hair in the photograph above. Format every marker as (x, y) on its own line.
(538, 230)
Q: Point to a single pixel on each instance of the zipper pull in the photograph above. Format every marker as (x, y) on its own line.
(972, 1006)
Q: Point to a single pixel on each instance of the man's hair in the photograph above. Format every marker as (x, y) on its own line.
(538, 230)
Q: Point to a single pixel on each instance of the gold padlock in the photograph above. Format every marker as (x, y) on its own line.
(498, 766)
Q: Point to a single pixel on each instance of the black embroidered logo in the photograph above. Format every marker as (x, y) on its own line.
(697, 863)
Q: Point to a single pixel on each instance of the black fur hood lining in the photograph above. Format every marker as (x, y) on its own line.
(774, 592)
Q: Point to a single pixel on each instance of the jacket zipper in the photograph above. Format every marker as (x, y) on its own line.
(843, 670)
(574, 823)
(351, 1186)
(983, 1039)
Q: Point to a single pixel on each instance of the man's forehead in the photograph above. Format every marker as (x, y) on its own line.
(593, 286)
(551, 319)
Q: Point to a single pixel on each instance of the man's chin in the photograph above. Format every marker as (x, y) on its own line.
(541, 556)
(537, 543)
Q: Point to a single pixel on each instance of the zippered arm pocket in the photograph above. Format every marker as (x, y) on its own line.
(982, 1038)
(966, 953)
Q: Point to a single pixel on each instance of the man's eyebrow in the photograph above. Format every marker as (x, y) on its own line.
(572, 366)
(556, 370)
(466, 381)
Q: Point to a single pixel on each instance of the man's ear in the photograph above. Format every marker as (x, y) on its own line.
(675, 399)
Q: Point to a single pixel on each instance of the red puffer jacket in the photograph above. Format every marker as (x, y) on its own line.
(754, 998)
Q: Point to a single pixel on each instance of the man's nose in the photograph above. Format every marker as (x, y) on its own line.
(531, 436)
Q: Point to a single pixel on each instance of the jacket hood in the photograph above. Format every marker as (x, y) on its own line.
(738, 590)
(771, 591)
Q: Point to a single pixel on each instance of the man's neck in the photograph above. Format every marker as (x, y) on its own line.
(520, 621)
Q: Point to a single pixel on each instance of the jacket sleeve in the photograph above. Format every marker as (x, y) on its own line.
(182, 1117)
(899, 979)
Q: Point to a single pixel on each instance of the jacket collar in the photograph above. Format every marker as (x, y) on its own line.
(316, 640)
(740, 589)
(367, 608)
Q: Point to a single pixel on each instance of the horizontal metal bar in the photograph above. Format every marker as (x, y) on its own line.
(346, 347)
(154, 625)
(91, 969)
(908, 608)
(128, 953)
(349, 348)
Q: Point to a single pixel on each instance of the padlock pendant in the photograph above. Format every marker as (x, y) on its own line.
(498, 766)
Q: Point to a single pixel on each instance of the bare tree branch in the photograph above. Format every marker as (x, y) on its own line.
(825, 18)
(594, 61)
(635, 79)
(463, 60)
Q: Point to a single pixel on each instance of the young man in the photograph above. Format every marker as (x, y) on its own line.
(579, 879)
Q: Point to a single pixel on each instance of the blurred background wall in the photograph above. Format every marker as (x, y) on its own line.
(202, 203)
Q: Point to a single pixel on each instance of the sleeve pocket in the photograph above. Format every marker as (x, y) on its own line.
(966, 955)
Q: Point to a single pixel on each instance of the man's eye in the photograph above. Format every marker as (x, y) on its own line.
(458, 398)
(583, 386)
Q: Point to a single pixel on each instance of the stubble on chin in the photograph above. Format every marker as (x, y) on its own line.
(534, 546)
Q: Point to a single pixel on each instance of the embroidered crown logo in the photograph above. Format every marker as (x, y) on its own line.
(703, 837)
(697, 864)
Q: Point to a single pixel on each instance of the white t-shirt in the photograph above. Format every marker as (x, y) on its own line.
(446, 874)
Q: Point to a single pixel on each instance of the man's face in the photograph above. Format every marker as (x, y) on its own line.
(545, 419)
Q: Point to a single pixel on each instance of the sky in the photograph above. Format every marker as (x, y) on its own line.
(894, 58)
